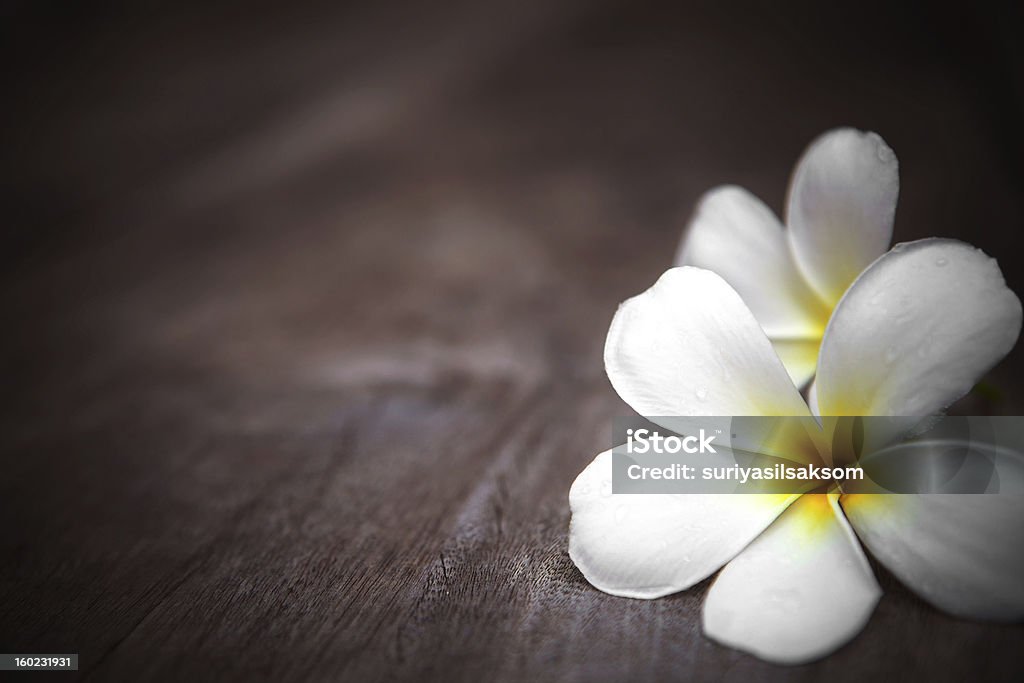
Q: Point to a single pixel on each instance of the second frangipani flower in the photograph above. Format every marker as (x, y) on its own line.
(914, 332)
(839, 218)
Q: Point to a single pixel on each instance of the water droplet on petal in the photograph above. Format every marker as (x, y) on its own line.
(941, 262)
(702, 393)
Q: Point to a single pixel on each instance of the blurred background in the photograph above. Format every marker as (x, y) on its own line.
(305, 305)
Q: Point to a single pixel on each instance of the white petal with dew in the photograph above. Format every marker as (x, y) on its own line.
(963, 553)
(916, 331)
(690, 346)
(650, 545)
(842, 202)
(735, 235)
(798, 592)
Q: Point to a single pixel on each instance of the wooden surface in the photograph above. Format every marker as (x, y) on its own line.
(304, 313)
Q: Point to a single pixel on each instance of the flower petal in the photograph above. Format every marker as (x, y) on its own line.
(800, 356)
(799, 591)
(689, 346)
(916, 331)
(842, 201)
(963, 553)
(812, 398)
(650, 545)
(735, 235)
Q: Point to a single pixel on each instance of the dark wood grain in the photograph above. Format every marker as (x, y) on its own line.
(304, 314)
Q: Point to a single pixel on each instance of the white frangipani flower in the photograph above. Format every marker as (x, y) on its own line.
(839, 217)
(912, 334)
